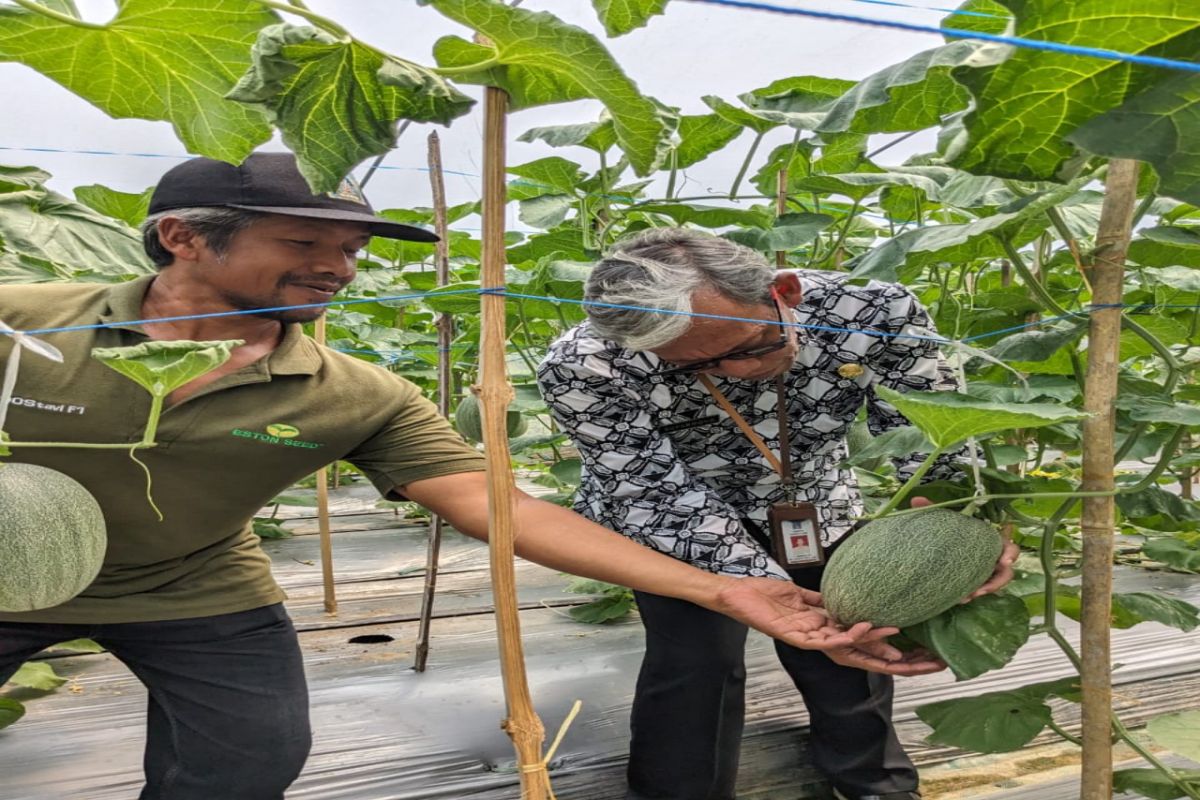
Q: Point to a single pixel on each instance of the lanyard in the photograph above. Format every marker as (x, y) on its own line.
(783, 464)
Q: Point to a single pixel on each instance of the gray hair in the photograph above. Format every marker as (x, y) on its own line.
(661, 269)
(217, 225)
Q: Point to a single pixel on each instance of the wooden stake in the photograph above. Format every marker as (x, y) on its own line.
(323, 514)
(445, 329)
(495, 394)
(780, 210)
(1100, 392)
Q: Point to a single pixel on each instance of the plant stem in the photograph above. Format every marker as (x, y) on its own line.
(674, 172)
(745, 166)
(66, 19)
(1075, 740)
(910, 484)
(1060, 640)
(156, 404)
(1125, 736)
(322, 22)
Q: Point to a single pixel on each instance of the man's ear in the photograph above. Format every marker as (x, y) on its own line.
(179, 239)
(787, 286)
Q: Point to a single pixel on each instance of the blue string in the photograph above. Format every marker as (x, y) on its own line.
(1016, 41)
(244, 312)
(950, 11)
(503, 292)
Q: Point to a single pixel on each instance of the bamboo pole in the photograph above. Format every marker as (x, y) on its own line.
(495, 394)
(1100, 392)
(323, 513)
(780, 208)
(445, 330)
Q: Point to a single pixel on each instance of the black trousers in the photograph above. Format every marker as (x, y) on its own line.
(228, 707)
(689, 708)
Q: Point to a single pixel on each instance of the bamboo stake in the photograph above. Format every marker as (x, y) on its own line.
(1100, 391)
(323, 514)
(445, 329)
(495, 394)
(780, 209)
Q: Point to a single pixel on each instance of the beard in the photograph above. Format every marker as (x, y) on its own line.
(275, 306)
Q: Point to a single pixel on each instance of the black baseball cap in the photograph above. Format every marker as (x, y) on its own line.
(271, 182)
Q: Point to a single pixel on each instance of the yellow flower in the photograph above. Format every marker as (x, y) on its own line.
(1041, 473)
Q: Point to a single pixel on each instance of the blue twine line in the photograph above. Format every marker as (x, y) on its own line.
(242, 312)
(503, 292)
(950, 11)
(1016, 41)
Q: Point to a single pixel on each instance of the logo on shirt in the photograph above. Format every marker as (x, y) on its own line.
(279, 433)
(283, 430)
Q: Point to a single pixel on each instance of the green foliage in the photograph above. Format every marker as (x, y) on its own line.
(124, 68)
(995, 722)
(613, 603)
(338, 102)
(161, 367)
(622, 16)
(10, 711)
(540, 59)
(981, 635)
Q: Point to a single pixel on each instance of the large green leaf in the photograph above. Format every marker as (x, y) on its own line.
(554, 174)
(1152, 410)
(701, 135)
(37, 675)
(1166, 247)
(858, 185)
(128, 207)
(801, 101)
(759, 122)
(10, 711)
(598, 136)
(984, 16)
(981, 635)
(1175, 553)
(539, 59)
(1153, 783)
(622, 16)
(950, 417)
(161, 367)
(1038, 345)
(1019, 222)
(994, 722)
(158, 60)
(710, 216)
(912, 95)
(1151, 607)
(1160, 126)
(789, 232)
(1027, 106)
(40, 226)
(337, 102)
(1179, 733)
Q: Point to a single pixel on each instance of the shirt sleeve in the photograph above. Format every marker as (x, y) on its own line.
(633, 481)
(909, 363)
(416, 443)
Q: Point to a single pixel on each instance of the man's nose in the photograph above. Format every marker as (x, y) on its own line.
(337, 263)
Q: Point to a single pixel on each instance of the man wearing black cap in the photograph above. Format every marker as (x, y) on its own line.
(188, 603)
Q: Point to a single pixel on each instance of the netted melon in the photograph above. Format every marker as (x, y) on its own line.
(905, 569)
(52, 537)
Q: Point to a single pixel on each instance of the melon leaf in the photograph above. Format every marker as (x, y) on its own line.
(161, 367)
(995, 722)
(37, 675)
(976, 637)
(1179, 733)
(1153, 783)
(949, 417)
(10, 711)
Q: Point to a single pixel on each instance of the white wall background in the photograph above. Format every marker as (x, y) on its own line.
(694, 50)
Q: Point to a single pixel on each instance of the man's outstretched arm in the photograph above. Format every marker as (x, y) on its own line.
(565, 541)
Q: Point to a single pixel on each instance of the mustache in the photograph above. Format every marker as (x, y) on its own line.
(322, 281)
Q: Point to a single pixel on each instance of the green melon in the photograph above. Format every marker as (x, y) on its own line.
(468, 419)
(905, 569)
(52, 537)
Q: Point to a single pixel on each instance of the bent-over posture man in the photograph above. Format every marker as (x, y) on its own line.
(654, 401)
(188, 603)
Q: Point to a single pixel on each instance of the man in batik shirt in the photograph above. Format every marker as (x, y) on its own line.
(645, 395)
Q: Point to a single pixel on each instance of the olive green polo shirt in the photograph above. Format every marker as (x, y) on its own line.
(222, 454)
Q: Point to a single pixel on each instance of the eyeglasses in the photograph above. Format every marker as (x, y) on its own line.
(736, 355)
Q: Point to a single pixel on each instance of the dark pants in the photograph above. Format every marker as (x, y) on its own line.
(688, 709)
(228, 708)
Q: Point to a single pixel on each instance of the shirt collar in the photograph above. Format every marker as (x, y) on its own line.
(296, 354)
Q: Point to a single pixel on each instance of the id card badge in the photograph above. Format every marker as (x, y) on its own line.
(795, 535)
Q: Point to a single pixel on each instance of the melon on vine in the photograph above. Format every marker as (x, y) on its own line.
(468, 419)
(52, 537)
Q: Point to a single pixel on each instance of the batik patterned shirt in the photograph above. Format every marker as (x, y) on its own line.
(665, 466)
